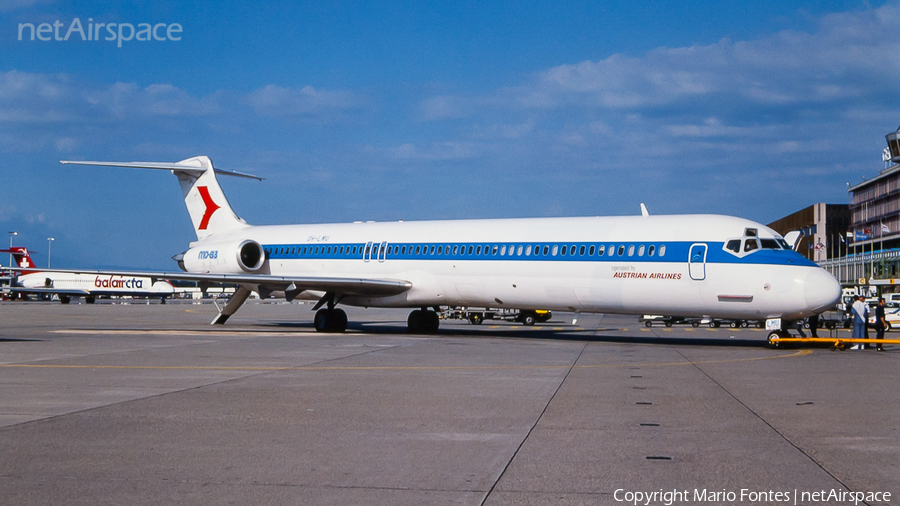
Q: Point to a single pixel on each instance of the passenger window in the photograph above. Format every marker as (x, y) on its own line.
(631, 250)
(641, 250)
(470, 249)
(546, 249)
(612, 250)
(734, 245)
(591, 251)
(601, 250)
(502, 250)
(478, 250)
(581, 250)
(662, 250)
(527, 251)
(564, 249)
(555, 249)
(750, 245)
(622, 250)
(651, 250)
(455, 249)
(494, 250)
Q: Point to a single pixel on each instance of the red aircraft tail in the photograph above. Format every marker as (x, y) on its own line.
(22, 258)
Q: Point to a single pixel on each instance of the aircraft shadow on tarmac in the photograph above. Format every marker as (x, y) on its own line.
(602, 335)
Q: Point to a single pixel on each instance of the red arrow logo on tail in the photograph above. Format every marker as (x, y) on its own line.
(211, 207)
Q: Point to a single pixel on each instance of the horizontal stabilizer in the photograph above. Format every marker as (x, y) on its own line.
(191, 169)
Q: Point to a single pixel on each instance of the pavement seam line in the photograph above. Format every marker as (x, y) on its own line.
(530, 430)
(769, 425)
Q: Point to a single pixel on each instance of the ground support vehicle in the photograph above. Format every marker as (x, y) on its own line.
(476, 315)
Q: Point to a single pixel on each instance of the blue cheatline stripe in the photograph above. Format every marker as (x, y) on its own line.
(672, 252)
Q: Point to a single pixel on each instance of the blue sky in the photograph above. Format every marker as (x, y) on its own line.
(416, 110)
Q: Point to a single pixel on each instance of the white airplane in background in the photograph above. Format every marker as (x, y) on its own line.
(689, 265)
(68, 284)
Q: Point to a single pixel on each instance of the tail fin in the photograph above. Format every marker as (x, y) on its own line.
(206, 203)
(22, 258)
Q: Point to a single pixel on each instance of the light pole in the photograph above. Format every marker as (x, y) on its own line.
(49, 242)
(11, 235)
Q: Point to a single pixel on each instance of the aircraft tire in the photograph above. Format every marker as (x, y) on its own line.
(475, 319)
(320, 321)
(339, 320)
(528, 320)
(695, 324)
(430, 322)
(330, 320)
(64, 299)
(89, 300)
(648, 324)
(423, 322)
(668, 324)
(414, 321)
(734, 325)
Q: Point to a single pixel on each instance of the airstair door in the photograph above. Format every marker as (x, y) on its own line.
(697, 262)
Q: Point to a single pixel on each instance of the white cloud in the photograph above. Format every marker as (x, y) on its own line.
(436, 151)
(851, 55)
(272, 100)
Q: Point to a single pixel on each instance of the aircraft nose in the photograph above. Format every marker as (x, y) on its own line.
(822, 290)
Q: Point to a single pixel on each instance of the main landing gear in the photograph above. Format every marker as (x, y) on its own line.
(423, 321)
(330, 320)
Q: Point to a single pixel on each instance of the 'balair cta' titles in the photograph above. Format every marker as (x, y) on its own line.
(648, 275)
(118, 282)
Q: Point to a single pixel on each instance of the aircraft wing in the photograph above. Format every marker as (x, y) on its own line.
(51, 291)
(346, 286)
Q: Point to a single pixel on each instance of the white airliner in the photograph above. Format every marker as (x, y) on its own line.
(689, 265)
(68, 284)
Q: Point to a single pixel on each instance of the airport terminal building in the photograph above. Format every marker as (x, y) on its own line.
(870, 247)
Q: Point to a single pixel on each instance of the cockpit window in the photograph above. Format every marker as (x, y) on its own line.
(769, 244)
(750, 245)
(734, 245)
(750, 232)
(784, 244)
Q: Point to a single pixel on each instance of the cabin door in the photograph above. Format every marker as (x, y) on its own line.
(697, 262)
